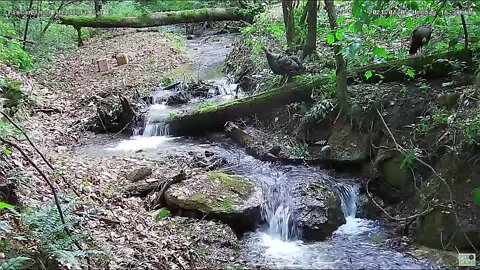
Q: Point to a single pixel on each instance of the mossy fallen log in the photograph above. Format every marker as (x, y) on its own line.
(214, 118)
(428, 67)
(159, 18)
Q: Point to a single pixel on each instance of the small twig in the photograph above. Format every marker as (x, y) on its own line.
(392, 218)
(39, 152)
(102, 218)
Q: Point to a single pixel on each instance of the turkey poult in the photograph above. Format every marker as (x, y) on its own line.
(285, 65)
(420, 37)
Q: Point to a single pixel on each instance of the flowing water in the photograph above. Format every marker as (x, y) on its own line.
(277, 243)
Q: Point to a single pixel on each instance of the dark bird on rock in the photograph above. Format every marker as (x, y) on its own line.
(285, 65)
(420, 37)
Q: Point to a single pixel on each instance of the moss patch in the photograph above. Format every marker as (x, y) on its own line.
(232, 182)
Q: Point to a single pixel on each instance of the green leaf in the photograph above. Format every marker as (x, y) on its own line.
(380, 52)
(410, 73)
(330, 39)
(476, 196)
(368, 74)
(6, 151)
(162, 213)
(14, 263)
(339, 35)
(4, 205)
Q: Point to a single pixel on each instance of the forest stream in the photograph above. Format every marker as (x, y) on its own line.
(277, 243)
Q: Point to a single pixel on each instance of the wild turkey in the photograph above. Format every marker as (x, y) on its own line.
(285, 65)
(420, 37)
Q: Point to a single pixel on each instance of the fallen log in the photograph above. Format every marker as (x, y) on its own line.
(214, 118)
(159, 18)
(427, 67)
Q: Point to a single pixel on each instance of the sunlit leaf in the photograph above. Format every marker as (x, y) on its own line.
(339, 35)
(380, 52)
(4, 205)
(330, 39)
(368, 74)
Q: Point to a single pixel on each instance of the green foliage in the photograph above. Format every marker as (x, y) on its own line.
(11, 51)
(166, 80)
(319, 111)
(162, 213)
(471, 129)
(14, 263)
(297, 149)
(408, 158)
(11, 94)
(4, 205)
(476, 196)
(428, 193)
(204, 106)
(45, 225)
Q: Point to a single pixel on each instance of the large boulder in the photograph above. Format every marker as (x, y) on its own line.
(318, 210)
(441, 228)
(218, 195)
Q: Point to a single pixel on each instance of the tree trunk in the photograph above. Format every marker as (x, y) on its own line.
(98, 7)
(25, 35)
(341, 71)
(158, 18)
(465, 31)
(311, 41)
(288, 20)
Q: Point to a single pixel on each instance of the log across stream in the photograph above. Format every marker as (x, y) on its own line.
(277, 243)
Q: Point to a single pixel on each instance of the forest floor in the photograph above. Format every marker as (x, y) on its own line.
(62, 101)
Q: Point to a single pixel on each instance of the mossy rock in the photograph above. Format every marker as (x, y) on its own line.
(395, 181)
(347, 145)
(218, 195)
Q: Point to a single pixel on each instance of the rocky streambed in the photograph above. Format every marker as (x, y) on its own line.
(284, 215)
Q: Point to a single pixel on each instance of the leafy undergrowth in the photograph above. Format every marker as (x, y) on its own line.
(115, 231)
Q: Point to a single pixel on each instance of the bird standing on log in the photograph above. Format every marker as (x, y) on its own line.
(285, 65)
(420, 37)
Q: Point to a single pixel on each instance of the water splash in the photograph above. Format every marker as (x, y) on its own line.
(278, 211)
(348, 194)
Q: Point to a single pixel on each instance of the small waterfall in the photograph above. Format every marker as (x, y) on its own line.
(349, 198)
(156, 117)
(277, 209)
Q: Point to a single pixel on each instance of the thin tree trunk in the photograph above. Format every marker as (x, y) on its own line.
(98, 7)
(341, 71)
(25, 34)
(311, 41)
(465, 32)
(52, 18)
(288, 19)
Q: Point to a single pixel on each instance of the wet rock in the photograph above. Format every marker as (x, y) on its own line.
(217, 195)
(367, 208)
(208, 153)
(319, 211)
(177, 99)
(139, 174)
(347, 145)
